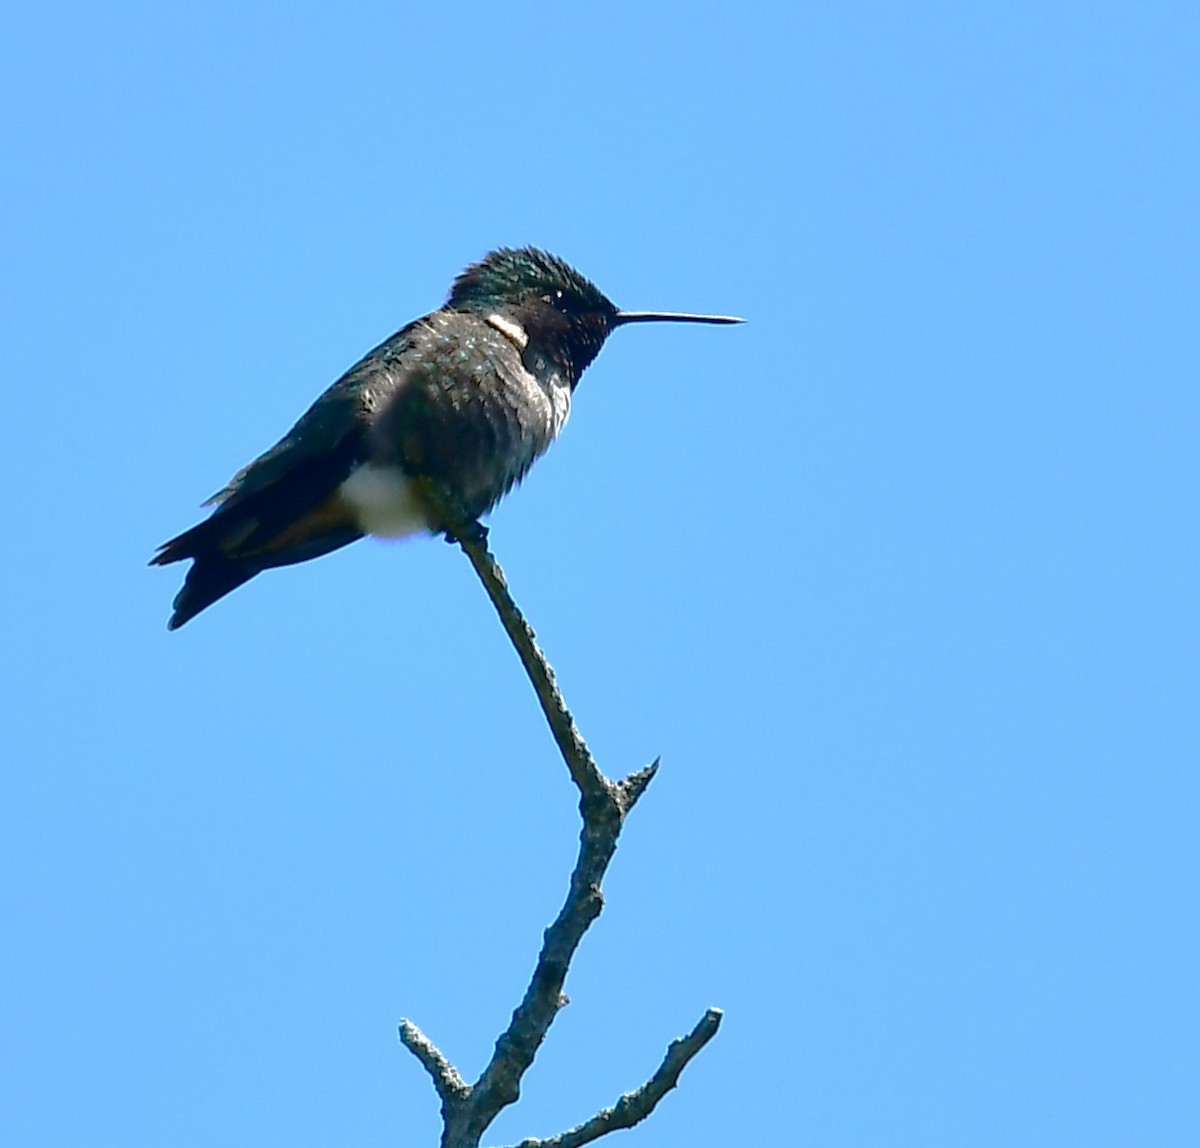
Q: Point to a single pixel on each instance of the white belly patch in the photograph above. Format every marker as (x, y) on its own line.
(383, 502)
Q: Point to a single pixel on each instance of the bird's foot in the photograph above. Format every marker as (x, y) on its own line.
(471, 530)
(446, 513)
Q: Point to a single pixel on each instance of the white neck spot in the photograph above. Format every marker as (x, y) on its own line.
(513, 332)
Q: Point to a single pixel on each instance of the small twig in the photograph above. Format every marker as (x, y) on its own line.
(629, 789)
(635, 1106)
(584, 771)
(450, 1086)
(472, 537)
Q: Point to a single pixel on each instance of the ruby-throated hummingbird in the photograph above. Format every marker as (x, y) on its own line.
(466, 398)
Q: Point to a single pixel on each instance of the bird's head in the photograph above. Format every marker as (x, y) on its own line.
(555, 307)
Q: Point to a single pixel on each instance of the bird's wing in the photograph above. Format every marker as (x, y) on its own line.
(286, 506)
(323, 443)
(329, 437)
(283, 506)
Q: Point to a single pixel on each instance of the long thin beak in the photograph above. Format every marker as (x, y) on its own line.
(669, 317)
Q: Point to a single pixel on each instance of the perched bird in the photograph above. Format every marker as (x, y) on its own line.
(466, 399)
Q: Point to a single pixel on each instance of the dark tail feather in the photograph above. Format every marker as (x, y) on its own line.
(209, 536)
(215, 574)
(238, 541)
(211, 577)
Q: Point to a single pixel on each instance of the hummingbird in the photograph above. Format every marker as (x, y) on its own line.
(466, 399)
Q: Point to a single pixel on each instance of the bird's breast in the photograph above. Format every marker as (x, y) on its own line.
(470, 403)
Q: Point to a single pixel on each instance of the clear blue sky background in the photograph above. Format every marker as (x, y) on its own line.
(900, 578)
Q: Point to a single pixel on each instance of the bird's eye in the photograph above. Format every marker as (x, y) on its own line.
(563, 302)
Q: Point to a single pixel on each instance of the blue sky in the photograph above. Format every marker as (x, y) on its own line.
(899, 578)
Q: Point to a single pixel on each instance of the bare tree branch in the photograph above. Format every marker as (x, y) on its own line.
(584, 771)
(450, 1086)
(635, 1106)
(468, 1110)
